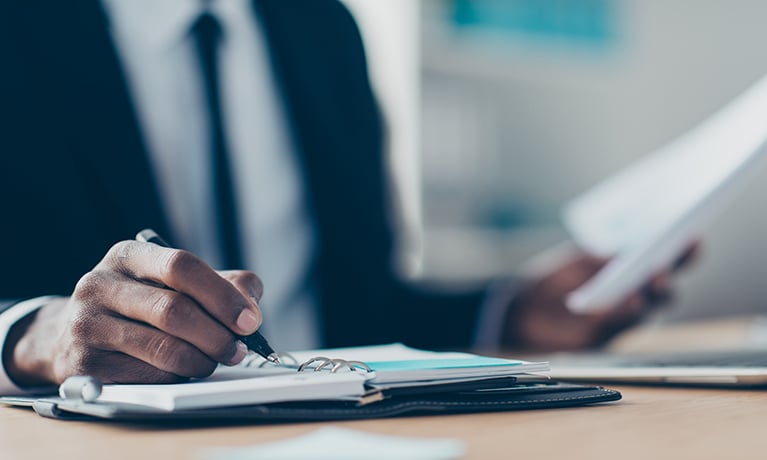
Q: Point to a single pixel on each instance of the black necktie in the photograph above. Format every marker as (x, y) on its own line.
(206, 33)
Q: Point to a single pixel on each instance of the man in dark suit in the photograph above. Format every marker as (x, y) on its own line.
(80, 175)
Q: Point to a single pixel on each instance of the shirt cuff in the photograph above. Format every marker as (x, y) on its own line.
(493, 312)
(7, 320)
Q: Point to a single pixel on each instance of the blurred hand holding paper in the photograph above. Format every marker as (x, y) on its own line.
(647, 214)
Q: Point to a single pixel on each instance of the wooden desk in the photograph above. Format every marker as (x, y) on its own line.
(649, 423)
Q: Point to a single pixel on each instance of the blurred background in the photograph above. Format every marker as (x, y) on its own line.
(499, 111)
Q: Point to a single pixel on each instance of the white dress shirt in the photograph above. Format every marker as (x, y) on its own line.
(159, 59)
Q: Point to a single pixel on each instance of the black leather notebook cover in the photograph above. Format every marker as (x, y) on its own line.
(540, 395)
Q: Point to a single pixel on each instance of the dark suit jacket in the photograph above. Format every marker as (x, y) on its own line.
(75, 178)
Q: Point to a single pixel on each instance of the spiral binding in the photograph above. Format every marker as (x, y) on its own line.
(334, 364)
(315, 364)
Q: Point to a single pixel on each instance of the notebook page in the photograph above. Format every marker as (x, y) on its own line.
(397, 363)
(293, 386)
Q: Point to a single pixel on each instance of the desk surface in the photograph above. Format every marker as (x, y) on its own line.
(647, 423)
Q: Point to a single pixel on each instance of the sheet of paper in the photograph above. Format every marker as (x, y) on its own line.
(397, 363)
(394, 365)
(292, 386)
(645, 215)
(333, 443)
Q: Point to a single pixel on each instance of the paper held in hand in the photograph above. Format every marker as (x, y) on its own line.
(647, 214)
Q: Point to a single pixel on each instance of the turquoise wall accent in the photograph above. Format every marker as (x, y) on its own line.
(582, 21)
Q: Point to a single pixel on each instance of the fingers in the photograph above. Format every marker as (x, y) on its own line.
(152, 314)
(658, 290)
(584, 266)
(629, 313)
(173, 313)
(121, 368)
(246, 282)
(114, 367)
(186, 273)
(689, 256)
(610, 323)
(97, 334)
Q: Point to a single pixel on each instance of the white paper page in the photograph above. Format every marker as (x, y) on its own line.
(333, 443)
(400, 363)
(239, 385)
(645, 215)
(294, 386)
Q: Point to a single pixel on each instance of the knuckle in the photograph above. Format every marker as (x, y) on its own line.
(203, 369)
(165, 352)
(249, 282)
(170, 355)
(225, 350)
(84, 362)
(82, 326)
(169, 309)
(257, 286)
(152, 375)
(89, 287)
(180, 262)
(119, 253)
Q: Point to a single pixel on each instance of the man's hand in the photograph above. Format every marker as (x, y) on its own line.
(540, 321)
(144, 314)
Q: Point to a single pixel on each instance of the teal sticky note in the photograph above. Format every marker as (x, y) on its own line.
(427, 364)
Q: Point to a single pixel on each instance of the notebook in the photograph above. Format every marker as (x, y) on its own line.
(356, 383)
(377, 368)
(254, 390)
(396, 364)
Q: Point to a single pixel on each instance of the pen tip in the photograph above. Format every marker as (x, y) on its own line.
(272, 358)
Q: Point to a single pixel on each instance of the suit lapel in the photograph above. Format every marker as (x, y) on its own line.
(107, 137)
(298, 34)
(320, 68)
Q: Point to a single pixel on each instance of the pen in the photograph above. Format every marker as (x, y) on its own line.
(255, 342)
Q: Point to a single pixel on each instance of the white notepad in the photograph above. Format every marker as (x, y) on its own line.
(258, 390)
(392, 366)
(397, 363)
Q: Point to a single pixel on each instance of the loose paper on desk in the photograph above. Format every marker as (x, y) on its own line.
(646, 215)
(333, 443)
